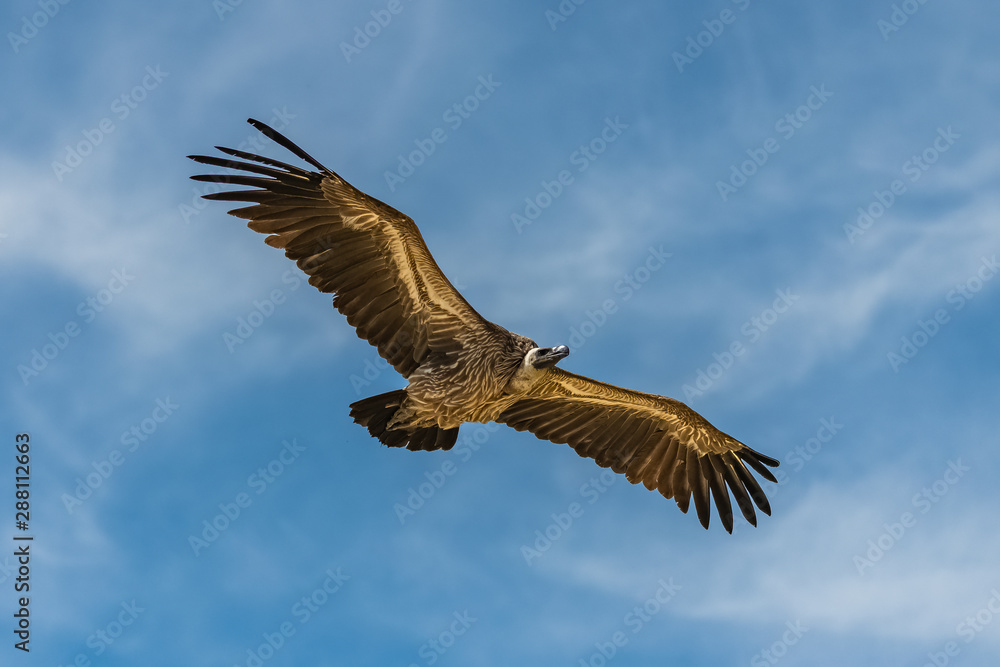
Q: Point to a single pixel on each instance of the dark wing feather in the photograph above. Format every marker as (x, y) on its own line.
(366, 253)
(650, 439)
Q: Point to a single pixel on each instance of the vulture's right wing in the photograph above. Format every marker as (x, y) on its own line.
(651, 439)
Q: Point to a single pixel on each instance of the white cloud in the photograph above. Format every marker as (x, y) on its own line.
(800, 564)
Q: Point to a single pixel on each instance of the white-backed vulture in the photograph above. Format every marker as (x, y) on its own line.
(461, 367)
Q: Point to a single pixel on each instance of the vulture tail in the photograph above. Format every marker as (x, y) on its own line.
(375, 412)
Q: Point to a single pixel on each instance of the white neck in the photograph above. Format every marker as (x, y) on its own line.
(526, 375)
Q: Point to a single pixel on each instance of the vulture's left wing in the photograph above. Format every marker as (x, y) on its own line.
(651, 439)
(368, 254)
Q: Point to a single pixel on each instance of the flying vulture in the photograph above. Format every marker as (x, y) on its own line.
(461, 367)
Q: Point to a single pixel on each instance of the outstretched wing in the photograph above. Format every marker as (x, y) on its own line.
(368, 254)
(651, 439)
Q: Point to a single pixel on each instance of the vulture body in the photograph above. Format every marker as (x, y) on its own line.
(460, 366)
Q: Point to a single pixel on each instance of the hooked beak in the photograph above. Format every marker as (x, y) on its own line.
(547, 357)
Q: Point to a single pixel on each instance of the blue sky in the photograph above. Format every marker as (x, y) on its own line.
(783, 214)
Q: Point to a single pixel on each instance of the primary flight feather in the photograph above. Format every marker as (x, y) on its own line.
(462, 367)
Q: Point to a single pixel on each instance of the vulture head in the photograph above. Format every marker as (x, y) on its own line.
(546, 357)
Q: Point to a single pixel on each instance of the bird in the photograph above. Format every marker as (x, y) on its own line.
(459, 366)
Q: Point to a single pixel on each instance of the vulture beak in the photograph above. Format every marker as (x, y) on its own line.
(547, 357)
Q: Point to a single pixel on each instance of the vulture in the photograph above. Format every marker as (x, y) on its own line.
(461, 367)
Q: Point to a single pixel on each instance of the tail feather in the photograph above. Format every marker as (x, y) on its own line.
(375, 413)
